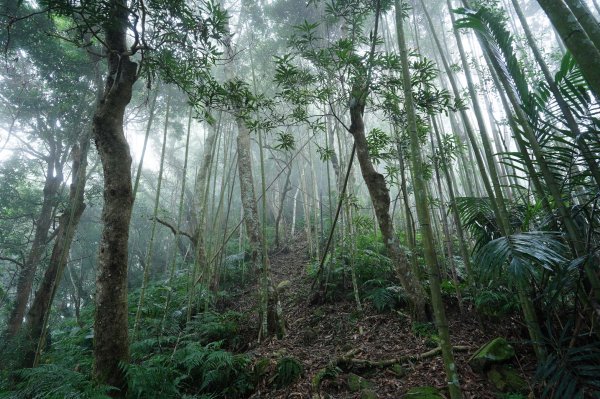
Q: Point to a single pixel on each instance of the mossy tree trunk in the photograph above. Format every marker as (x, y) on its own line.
(111, 341)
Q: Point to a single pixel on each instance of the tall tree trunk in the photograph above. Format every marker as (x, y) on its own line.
(150, 250)
(380, 196)
(37, 317)
(42, 227)
(454, 207)
(424, 217)
(286, 188)
(562, 103)
(496, 196)
(586, 19)
(576, 39)
(378, 190)
(111, 341)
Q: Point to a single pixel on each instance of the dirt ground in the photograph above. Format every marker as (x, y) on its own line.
(320, 333)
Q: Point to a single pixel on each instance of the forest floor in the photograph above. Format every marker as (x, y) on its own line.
(320, 333)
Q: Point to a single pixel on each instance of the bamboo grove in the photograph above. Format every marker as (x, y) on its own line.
(436, 161)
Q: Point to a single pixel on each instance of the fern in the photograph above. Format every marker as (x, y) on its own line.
(50, 381)
(154, 378)
(288, 371)
(387, 298)
(496, 302)
(211, 326)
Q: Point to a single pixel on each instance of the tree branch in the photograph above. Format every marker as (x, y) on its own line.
(174, 229)
(16, 262)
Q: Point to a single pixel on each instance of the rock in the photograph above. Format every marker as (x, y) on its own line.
(507, 379)
(356, 383)
(423, 393)
(494, 352)
(368, 394)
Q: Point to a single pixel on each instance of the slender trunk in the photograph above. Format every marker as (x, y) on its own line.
(179, 218)
(453, 206)
(424, 217)
(273, 323)
(201, 189)
(294, 208)
(596, 6)
(445, 225)
(37, 317)
(409, 220)
(562, 103)
(150, 251)
(576, 39)
(138, 174)
(286, 188)
(496, 196)
(111, 342)
(586, 19)
(42, 227)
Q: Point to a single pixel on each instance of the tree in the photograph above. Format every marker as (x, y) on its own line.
(576, 39)
(423, 214)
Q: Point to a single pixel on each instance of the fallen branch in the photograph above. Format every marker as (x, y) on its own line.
(402, 359)
(347, 361)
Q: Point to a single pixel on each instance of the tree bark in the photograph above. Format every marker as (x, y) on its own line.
(380, 196)
(286, 188)
(586, 19)
(111, 341)
(564, 107)
(576, 39)
(42, 227)
(37, 317)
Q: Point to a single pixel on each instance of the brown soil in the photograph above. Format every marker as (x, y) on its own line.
(321, 333)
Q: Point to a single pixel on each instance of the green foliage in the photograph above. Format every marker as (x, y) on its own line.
(511, 395)
(328, 373)
(571, 370)
(385, 298)
(285, 142)
(191, 368)
(288, 371)
(212, 327)
(379, 145)
(478, 218)
(51, 381)
(423, 329)
(496, 302)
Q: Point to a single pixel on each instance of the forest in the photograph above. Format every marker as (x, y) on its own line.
(222, 199)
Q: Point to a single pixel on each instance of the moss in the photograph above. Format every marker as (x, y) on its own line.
(496, 351)
(356, 383)
(507, 379)
(398, 370)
